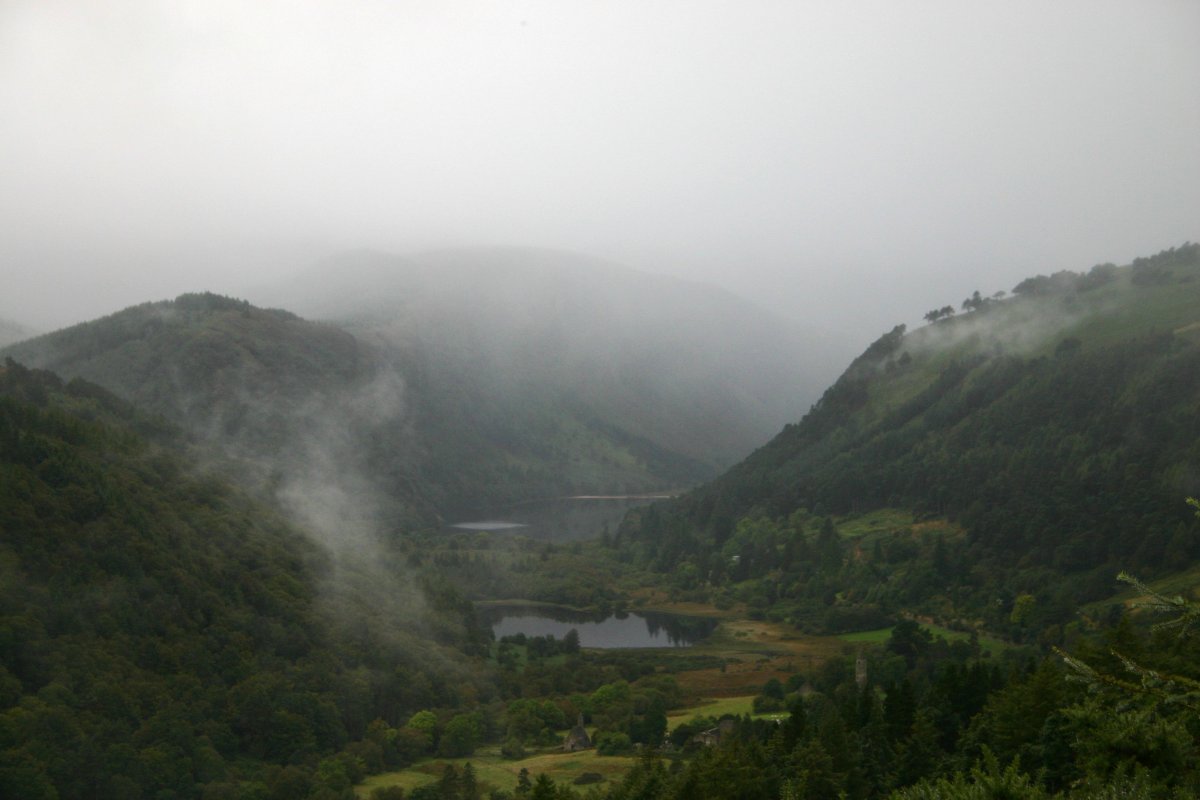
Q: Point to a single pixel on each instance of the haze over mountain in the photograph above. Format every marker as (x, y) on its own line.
(12, 332)
(691, 367)
(167, 633)
(455, 382)
(836, 163)
(224, 568)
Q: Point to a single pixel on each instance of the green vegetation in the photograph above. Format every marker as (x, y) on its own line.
(162, 634)
(1028, 437)
(414, 435)
(732, 706)
(495, 772)
(914, 585)
(876, 522)
(987, 644)
(435, 410)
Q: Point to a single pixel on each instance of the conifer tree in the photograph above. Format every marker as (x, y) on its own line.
(468, 787)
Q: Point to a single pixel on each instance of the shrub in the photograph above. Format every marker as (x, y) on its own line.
(609, 743)
(512, 749)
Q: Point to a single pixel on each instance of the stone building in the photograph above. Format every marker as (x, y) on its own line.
(577, 738)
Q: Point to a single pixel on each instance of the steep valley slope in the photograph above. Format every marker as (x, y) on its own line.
(1030, 447)
(465, 382)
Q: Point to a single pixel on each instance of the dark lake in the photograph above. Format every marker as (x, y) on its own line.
(566, 519)
(632, 629)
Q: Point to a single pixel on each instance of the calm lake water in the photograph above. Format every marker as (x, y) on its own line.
(567, 519)
(634, 629)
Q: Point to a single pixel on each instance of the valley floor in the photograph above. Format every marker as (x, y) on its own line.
(751, 653)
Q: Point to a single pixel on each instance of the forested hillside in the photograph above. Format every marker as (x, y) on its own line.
(291, 406)
(1027, 450)
(313, 407)
(883, 581)
(420, 404)
(164, 635)
(227, 368)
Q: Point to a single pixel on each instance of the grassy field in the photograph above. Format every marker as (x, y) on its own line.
(494, 772)
(884, 520)
(988, 644)
(1185, 583)
(883, 523)
(1171, 306)
(738, 706)
(750, 653)
(877, 636)
(741, 654)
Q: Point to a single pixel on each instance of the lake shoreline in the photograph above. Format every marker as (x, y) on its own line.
(604, 629)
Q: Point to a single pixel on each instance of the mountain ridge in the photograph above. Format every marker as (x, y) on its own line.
(1048, 451)
(587, 329)
(442, 412)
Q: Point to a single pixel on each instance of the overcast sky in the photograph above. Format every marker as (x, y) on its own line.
(850, 163)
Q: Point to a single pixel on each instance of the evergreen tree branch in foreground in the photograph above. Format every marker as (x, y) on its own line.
(1168, 688)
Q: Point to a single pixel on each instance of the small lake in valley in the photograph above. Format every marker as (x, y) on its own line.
(608, 631)
(563, 519)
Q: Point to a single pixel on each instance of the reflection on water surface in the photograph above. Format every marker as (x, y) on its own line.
(608, 631)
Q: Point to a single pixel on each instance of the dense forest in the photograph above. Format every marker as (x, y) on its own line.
(442, 387)
(162, 632)
(912, 592)
(1057, 463)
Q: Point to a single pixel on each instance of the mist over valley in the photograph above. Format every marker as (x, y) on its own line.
(541, 401)
(556, 397)
(475, 379)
